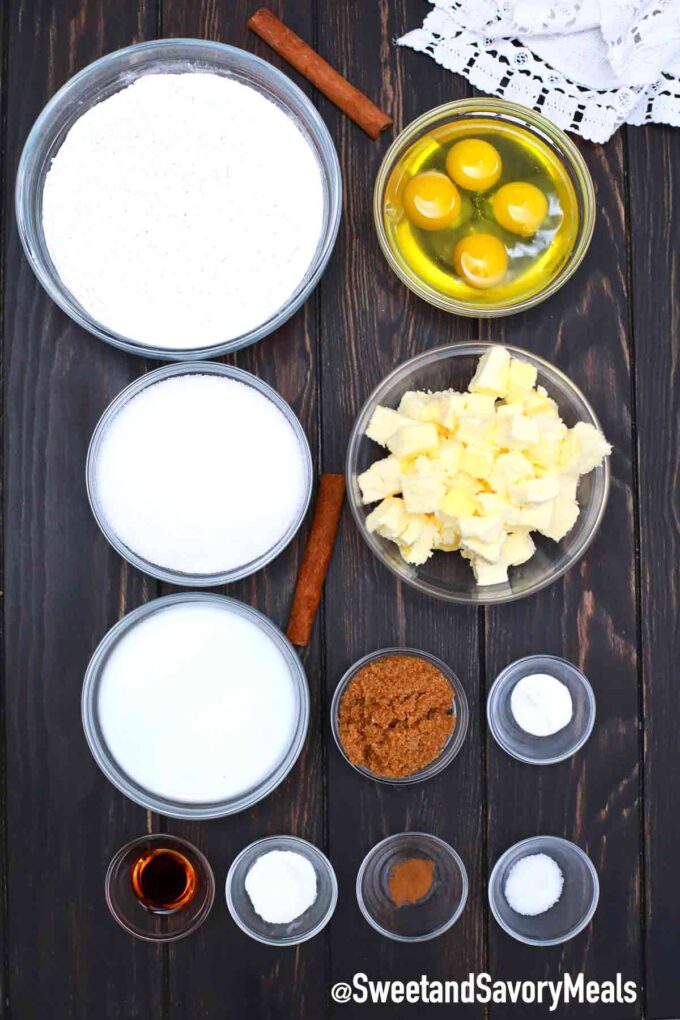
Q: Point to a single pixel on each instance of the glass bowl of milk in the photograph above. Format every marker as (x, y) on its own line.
(179, 198)
(195, 706)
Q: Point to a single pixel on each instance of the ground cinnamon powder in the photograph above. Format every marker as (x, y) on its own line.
(410, 880)
(396, 715)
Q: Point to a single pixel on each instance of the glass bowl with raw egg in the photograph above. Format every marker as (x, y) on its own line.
(483, 207)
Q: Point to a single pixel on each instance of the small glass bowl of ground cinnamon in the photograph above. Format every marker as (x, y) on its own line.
(412, 886)
(399, 715)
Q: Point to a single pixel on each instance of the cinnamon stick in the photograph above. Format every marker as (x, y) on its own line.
(320, 73)
(316, 558)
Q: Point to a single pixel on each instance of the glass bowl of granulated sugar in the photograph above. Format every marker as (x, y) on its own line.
(179, 199)
(199, 474)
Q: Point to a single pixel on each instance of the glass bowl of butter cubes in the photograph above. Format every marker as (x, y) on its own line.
(478, 473)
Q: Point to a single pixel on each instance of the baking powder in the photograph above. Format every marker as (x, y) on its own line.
(281, 885)
(541, 704)
(184, 210)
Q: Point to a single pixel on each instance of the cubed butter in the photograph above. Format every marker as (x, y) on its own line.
(491, 376)
(489, 573)
(545, 453)
(420, 406)
(451, 405)
(518, 547)
(478, 471)
(536, 516)
(384, 423)
(422, 495)
(510, 468)
(389, 518)
(381, 479)
(478, 461)
(523, 432)
(534, 490)
(415, 524)
(447, 538)
(563, 519)
(485, 528)
(458, 503)
(584, 448)
(410, 440)
(521, 379)
(421, 550)
(448, 456)
(490, 551)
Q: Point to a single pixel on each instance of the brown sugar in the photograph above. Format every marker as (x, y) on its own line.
(396, 715)
(410, 880)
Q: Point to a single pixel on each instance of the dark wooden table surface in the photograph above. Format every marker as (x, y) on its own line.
(613, 329)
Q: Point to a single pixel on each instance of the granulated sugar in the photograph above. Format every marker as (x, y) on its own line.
(200, 474)
(197, 703)
(184, 210)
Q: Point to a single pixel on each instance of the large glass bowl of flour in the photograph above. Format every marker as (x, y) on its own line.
(195, 705)
(179, 199)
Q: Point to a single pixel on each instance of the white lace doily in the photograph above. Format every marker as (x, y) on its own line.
(588, 65)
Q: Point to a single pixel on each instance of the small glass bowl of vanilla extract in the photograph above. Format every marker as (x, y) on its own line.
(159, 887)
(483, 207)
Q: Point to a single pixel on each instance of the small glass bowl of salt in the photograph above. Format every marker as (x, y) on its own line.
(554, 891)
(273, 878)
(541, 709)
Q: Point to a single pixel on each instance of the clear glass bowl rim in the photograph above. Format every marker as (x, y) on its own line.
(165, 838)
(448, 849)
(113, 771)
(310, 850)
(134, 389)
(472, 348)
(183, 48)
(535, 843)
(502, 678)
(527, 118)
(451, 748)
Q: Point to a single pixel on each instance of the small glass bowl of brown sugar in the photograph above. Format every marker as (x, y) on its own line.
(412, 887)
(399, 715)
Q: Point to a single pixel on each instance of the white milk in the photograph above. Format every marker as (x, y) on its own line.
(197, 704)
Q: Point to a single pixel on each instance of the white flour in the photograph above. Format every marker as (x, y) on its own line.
(184, 210)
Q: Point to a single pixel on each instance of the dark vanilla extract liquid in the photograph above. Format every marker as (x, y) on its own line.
(163, 880)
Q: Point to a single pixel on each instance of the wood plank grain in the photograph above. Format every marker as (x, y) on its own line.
(261, 982)
(370, 323)
(653, 154)
(589, 618)
(64, 588)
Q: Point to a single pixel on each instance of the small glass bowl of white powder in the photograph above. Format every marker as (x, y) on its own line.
(541, 709)
(281, 876)
(199, 474)
(179, 198)
(553, 888)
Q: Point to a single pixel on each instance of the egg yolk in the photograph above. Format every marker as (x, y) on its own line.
(481, 260)
(431, 201)
(473, 164)
(520, 207)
